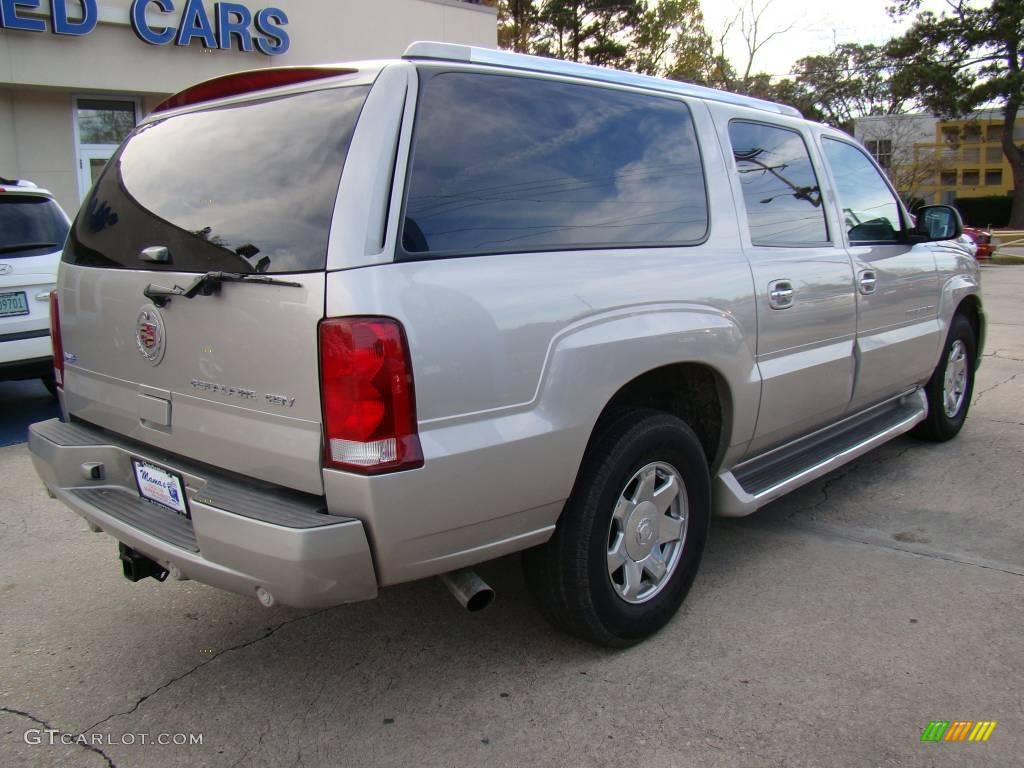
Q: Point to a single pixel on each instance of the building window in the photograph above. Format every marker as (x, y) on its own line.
(971, 178)
(951, 135)
(994, 178)
(972, 133)
(104, 122)
(993, 132)
(972, 155)
(993, 154)
(948, 179)
(881, 150)
(100, 126)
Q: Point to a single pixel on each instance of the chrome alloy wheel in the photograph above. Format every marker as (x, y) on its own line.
(955, 385)
(646, 533)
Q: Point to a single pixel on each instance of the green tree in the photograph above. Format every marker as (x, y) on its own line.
(517, 25)
(850, 81)
(670, 40)
(969, 58)
(589, 31)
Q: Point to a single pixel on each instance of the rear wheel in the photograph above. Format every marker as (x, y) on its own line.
(630, 539)
(951, 386)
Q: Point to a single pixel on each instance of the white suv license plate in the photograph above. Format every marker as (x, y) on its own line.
(161, 486)
(13, 304)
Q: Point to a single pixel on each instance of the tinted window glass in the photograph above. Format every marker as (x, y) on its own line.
(250, 187)
(870, 210)
(507, 164)
(780, 189)
(30, 225)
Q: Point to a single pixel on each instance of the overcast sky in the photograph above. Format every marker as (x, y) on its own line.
(816, 24)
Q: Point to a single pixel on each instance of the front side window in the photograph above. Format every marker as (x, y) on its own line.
(505, 164)
(870, 210)
(780, 188)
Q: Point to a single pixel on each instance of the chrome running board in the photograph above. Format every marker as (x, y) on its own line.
(765, 478)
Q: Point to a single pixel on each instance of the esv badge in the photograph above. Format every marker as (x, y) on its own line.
(150, 334)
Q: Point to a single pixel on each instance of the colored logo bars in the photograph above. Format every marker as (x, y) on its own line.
(958, 730)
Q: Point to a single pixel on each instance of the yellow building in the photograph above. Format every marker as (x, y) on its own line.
(966, 158)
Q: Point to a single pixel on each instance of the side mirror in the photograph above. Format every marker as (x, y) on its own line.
(937, 222)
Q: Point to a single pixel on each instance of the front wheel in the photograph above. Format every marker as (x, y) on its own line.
(630, 540)
(951, 386)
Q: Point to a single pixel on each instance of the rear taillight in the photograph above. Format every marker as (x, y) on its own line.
(367, 393)
(58, 345)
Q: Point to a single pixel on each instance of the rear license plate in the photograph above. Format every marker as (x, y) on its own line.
(13, 304)
(161, 486)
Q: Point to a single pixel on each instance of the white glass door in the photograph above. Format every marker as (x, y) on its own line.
(100, 126)
(91, 163)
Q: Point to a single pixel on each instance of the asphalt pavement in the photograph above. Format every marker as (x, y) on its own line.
(21, 404)
(828, 629)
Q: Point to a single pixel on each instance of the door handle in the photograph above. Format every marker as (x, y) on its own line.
(157, 254)
(868, 281)
(780, 294)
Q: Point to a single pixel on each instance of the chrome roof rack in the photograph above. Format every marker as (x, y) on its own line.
(473, 55)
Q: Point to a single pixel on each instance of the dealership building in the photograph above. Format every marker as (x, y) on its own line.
(76, 75)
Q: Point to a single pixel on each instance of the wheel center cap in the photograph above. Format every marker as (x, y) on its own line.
(642, 531)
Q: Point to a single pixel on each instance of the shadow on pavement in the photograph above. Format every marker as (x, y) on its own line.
(22, 403)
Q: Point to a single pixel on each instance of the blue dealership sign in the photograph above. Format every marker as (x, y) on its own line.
(230, 25)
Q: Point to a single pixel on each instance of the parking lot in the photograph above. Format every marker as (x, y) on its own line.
(826, 630)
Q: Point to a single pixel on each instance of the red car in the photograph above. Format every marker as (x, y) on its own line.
(983, 239)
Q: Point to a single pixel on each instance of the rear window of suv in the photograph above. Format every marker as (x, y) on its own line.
(249, 187)
(506, 164)
(30, 225)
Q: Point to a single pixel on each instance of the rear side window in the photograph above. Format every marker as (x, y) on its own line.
(780, 188)
(30, 225)
(249, 187)
(504, 164)
(870, 210)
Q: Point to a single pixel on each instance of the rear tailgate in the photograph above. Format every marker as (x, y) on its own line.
(231, 378)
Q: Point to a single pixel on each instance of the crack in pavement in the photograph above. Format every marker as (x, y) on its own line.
(1001, 421)
(840, 473)
(1004, 357)
(982, 393)
(879, 542)
(268, 633)
(48, 727)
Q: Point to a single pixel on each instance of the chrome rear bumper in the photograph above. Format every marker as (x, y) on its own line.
(242, 537)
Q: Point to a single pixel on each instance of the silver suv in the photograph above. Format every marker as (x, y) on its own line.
(324, 330)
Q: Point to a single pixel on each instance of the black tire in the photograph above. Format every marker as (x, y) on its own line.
(51, 385)
(940, 426)
(568, 576)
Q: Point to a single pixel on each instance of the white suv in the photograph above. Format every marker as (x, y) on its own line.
(32, 232)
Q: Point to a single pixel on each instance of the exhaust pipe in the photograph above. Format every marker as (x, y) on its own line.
(469, 589)
(137, 566)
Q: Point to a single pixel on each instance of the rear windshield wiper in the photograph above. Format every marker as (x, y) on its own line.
(209, 284)
(26, 247)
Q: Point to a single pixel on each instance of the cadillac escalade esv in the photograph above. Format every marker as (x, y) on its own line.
(322, 330)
